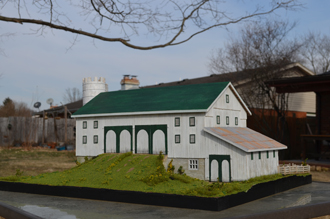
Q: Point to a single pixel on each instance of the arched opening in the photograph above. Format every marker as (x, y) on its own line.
(158, 139)
(225, 171)
(125, 141)
(214, 170)
(110, 142)
(142, 142)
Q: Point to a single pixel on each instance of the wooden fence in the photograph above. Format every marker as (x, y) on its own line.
(27, 130)
(293, 169)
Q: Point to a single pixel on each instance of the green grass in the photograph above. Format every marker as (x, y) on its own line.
(134, 172)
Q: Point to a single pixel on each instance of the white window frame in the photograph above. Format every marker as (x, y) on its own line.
(96, 124)
(84, 125)
(193, 164)
(192, 137)
(192, 121)
(218, 119)
(96, 137)
(227, 98)
(177, 119)
(177, 137)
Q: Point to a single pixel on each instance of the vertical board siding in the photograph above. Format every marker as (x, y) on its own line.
(232, 109)
(237, 157)
(29, 130)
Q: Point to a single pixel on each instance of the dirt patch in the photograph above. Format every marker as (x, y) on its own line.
(130, 170)
(34, 161)
(320, 176)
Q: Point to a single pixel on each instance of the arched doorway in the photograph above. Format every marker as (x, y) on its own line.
(158, 140)
(118, 130)
(225, 171)
(110, 142)
(125, 141)
(214, 171)
(142, 140)
(151, 130)
(220, 159)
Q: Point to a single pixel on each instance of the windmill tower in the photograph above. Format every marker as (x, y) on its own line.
(91, 88)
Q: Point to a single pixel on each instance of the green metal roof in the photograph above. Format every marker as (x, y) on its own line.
(185, 97)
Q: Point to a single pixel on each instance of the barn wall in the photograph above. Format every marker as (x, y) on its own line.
(223, 109)
(238, 158)
(184, 162)
(176, 150)
(263, 166)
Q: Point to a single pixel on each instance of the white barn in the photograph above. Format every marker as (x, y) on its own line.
(202, 127)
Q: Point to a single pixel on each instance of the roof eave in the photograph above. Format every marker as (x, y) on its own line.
(242, 148)
(139, 113)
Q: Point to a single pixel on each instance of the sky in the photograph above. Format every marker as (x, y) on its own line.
(37, 67)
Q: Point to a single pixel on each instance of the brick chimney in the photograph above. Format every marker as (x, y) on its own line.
(129, 82)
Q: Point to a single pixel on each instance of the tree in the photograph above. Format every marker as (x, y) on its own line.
(72, 95)
(261, 52)
(316, 51)
(13, 108)
(119, 21)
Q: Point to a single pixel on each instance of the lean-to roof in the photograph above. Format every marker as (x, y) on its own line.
(245, 139)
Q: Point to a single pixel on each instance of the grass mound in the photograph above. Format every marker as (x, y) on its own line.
(136, 172)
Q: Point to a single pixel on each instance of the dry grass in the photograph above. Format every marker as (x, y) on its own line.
(322, 176)
(34, 161)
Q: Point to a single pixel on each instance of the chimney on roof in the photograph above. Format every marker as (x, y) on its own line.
(129, 82)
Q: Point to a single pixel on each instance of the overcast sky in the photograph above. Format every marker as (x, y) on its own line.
(35, 68)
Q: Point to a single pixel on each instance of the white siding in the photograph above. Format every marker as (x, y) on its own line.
(184, 149)
(223, 109)
(263, 166)
(238, 158)
(302, 102)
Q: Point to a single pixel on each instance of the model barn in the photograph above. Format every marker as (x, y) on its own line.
(202, 127)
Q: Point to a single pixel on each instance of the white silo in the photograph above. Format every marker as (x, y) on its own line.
(91, 88)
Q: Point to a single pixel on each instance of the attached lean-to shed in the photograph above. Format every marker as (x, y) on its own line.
(202, 127)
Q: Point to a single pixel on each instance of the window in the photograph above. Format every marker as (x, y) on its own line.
(84, 139)
(96, 124)
(259, 154)
(274, 153)
(218, 119)
(84, 124)
(267, 154)
(177, 121)
(192, 121)
(227, 98)
(96, 139)
(192, 139)
(227, 120)
(252, 156)
(177, 138)
(236, 120)
(193, 164)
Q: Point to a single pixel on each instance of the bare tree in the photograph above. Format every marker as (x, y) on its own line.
(13, 108)
(118, 21)
(316, 51)
(260, 53)
(72, 95)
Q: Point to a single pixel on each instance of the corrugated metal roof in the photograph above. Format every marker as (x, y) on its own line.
(244, 138)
